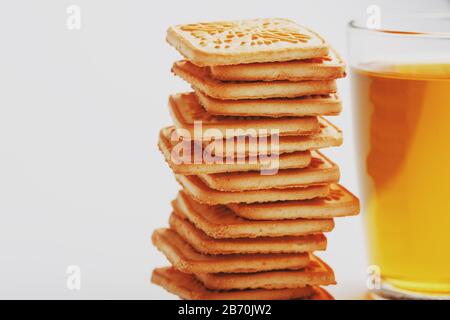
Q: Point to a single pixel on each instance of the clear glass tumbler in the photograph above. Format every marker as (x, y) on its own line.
(401, 100)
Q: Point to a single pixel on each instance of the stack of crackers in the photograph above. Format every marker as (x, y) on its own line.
(257, 196)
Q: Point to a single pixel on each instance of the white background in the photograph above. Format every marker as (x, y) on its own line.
(81, 180)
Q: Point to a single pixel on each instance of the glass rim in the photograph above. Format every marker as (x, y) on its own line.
(357, 25)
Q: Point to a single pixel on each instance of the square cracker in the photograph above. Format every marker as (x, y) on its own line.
(328, 136)
(186, 286)
(319, 105)
(316, 273)
(220, 222)
(323, 68)
(183, 257)
(185, 110)
(320, 171)
(339, 203)
(202, 80)
(245, 41)
(186, 164)
(205, 244)
(198, 190)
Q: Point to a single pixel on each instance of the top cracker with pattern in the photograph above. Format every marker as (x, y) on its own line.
(245, 41)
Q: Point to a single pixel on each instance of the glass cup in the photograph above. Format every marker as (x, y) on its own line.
(401, 101)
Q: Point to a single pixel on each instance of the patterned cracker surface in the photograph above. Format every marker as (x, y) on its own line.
(320, 171)
(339, 203)
(323, 68)
(202, 80)
(329, 136)
(317, 273)
(245, 41)
(198, 190)
(184, 258)
(319, 105)
(185, 110)
(185, 162)
(220, 222)
(205, 244)
(186, 286)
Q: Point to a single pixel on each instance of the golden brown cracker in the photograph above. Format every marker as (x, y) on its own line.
(180, 156)
(329, 136)
(318, 105)
(201, 79)
(328, 67)
(245, 41)
(198, 190)
(183, 257)
(186, 286)
(320, 171)
(205, 244)
(186, 111)
(220, 222)
(317, 273)
(339, 203)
